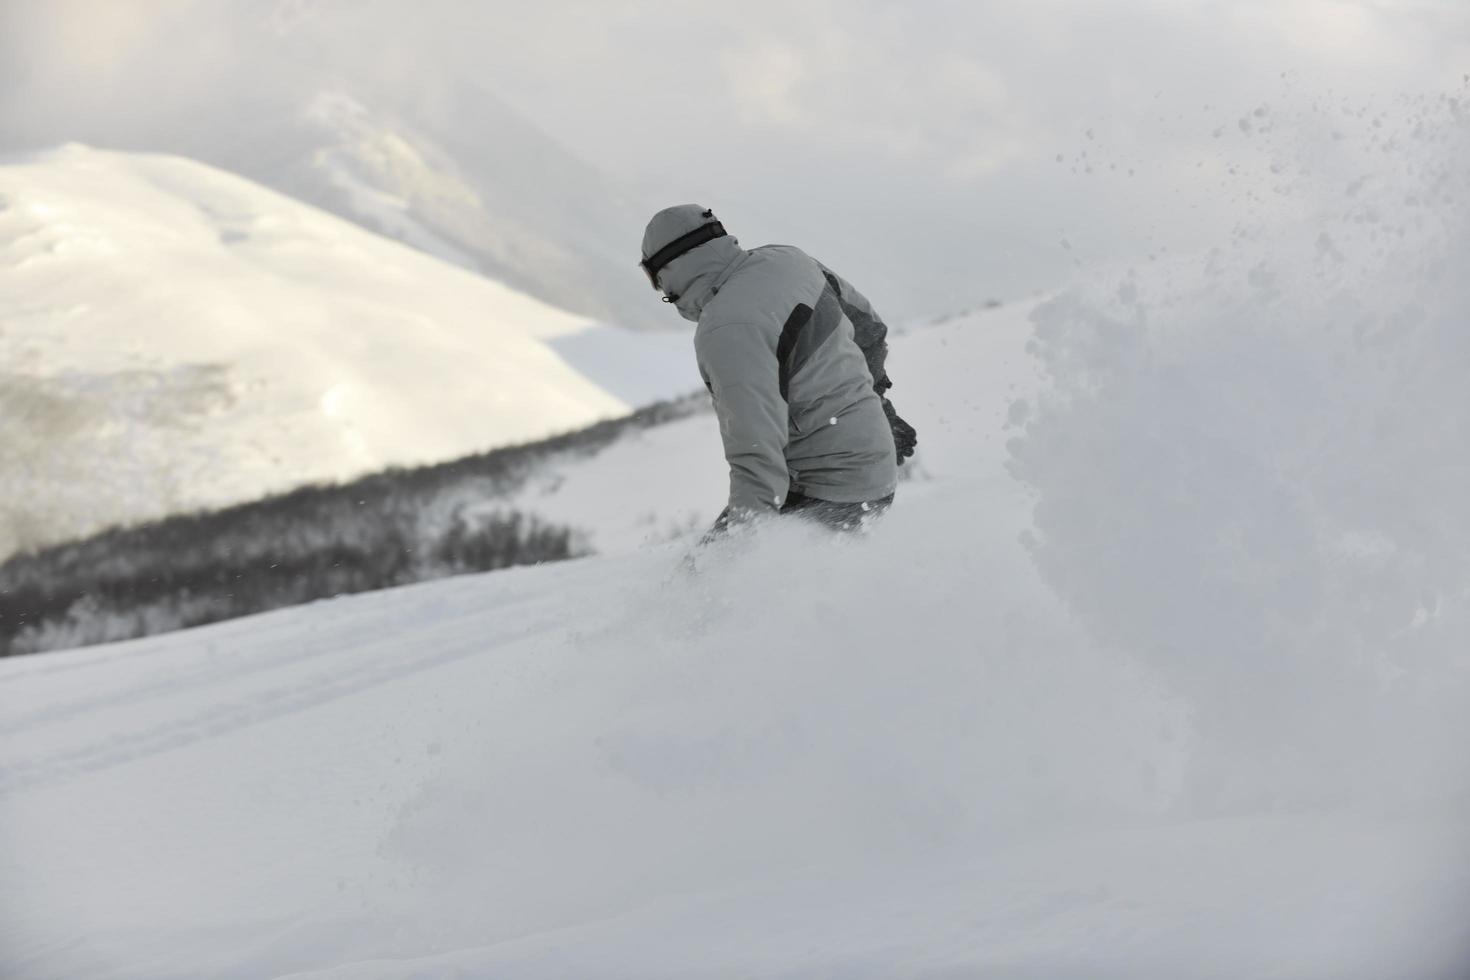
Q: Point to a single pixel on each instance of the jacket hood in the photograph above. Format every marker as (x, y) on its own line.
(695, 276)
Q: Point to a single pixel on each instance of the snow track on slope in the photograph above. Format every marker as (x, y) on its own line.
(254, 679)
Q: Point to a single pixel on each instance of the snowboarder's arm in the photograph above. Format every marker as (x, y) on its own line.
(868, 328)
(742, 374)
(871, 334)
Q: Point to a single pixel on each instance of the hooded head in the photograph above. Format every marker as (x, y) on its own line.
(688, 278)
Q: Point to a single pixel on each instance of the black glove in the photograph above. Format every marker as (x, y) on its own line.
(718, 530)
(905, 438)
(728, 521)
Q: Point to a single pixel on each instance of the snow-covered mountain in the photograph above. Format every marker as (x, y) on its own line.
(173, 336)
(894, 755)
(420, 150)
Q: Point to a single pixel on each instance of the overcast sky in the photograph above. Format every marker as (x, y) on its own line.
(937, 151)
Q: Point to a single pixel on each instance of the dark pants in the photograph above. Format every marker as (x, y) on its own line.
(839, 517)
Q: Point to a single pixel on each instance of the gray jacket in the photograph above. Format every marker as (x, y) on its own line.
(790, 352)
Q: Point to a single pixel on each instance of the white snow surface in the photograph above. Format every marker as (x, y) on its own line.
(173, 336)
(891, 755)
(1157, 669)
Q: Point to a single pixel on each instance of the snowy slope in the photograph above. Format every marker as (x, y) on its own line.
(899, 755)
(173, 336)
(594, 770)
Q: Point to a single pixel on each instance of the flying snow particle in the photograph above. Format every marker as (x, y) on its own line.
(333, 401)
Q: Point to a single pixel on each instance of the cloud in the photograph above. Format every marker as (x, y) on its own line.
(763, 82)
(916, 144)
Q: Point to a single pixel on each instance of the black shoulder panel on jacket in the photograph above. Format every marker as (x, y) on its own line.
(790, 331)
(804, 332)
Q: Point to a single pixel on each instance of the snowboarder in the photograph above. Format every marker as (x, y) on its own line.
(793, 356)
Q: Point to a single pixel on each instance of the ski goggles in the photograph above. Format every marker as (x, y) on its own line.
(655, 263)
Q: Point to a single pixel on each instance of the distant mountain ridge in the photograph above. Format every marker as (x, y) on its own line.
(495, 195)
